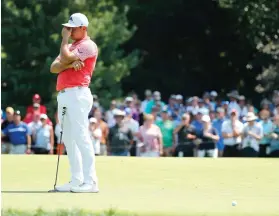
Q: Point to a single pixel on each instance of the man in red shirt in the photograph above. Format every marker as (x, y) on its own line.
(74, 66)
(36, 100)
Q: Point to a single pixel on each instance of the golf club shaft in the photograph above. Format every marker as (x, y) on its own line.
(61, 134)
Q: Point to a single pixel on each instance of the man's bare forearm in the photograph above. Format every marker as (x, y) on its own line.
(64, 48)
(57, 66)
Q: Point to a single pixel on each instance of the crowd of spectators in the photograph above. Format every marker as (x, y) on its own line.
(206, 126)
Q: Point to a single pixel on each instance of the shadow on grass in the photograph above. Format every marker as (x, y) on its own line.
(30, 191)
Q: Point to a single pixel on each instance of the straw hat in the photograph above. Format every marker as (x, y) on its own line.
(250, 117)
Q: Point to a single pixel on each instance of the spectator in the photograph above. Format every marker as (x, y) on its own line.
(130, 103)
(212, 115)
(109, 114)
(133, 125)
(206, 102)
(186, 134)
(30, 116)
(243, 107)
(208, 139)
(194, 108)
(267, 126)
(44, 138)
(35, 124)
(148, 98)
(266, 104)
(95, 135)
(252, 134)
(105, 131)
(151, 137)
(213, 96)
(155, 102)
(36, 100)
(233, 95)
(6, 143)
(197, 123)
(274, 144)
(171, 105)
(217, 124)
(167, 127)
(120, 136)
(19, 135)
(225, 106)
(231, 131)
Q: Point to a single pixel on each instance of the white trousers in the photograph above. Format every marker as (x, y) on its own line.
(78, 102)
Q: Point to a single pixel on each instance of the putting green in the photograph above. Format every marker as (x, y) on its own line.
(148, 186)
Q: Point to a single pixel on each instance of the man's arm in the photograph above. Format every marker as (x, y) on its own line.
(66, 55)
(57, 66)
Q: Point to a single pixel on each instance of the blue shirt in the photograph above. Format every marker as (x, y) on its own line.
(274, 144)
(217, 124)
(267, 129)
(199, 127)
(17, 133)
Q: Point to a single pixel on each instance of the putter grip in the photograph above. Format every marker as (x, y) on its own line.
(64, 111)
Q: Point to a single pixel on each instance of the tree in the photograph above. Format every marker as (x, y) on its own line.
(31, 39)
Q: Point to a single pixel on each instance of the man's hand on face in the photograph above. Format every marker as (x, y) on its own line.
(77, 65)
(66, 32)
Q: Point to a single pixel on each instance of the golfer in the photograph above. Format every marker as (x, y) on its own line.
(74, 66)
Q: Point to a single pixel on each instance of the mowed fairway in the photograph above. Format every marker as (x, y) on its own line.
(148, 186)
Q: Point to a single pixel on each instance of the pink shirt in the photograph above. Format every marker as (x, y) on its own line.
(150, 137)
(86, 50)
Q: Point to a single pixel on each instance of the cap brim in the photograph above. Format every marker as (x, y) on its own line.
(69, 25)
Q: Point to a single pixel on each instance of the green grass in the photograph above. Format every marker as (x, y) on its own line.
(145, 187)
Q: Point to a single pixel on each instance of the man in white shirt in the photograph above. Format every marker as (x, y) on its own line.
(234, 96)
(231, 132)
(252, 134)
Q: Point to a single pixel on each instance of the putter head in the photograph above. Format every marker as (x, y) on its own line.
(53, 191)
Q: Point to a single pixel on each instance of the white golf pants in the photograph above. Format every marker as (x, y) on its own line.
(78, 102)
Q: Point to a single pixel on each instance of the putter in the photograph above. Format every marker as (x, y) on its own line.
(58, 159)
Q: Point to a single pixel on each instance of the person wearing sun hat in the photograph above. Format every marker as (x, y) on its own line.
(252, 135)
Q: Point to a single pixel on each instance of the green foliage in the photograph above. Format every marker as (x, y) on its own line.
(31, 39)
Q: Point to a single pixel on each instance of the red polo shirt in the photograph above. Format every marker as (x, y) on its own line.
(86, 50)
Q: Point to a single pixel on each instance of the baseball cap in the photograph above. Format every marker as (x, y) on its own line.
(129, 99)
(213, 94)
(77, 20)
(179, 97)
(220, 110)
(17, 112)
(118, 112)
(10, 110)
(233, 111)
(205, 118)
(43, 116)
(36, 97)
(148, 92)
(93, 120)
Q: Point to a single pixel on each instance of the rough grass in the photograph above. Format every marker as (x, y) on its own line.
(144, 187)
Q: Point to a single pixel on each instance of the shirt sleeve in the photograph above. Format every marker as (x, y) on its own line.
(86, 50)
(224, 127)
(5, 131)
(28, 131)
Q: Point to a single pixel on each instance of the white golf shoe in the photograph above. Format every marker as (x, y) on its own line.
(85, 188)
(66, 187)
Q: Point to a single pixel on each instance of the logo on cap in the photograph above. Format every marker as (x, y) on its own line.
(71, 19)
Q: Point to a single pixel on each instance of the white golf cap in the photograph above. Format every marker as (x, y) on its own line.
(43, 116)
(77, 20)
